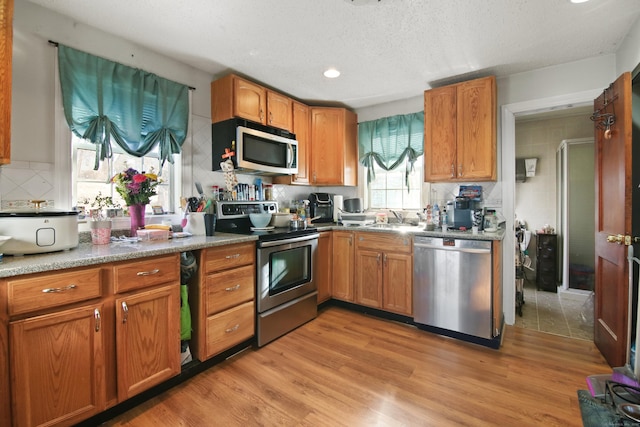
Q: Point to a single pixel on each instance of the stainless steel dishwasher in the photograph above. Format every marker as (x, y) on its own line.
(452, 285)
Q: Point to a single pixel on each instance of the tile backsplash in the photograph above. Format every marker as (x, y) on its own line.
(21, 182)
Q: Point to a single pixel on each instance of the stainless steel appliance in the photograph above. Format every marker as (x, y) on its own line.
(452, 285)
(257, 148)
(286, 290)
(321, 205)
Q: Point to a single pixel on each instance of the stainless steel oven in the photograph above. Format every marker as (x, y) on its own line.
(286, 290)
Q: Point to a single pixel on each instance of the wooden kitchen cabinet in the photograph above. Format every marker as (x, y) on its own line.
(460, 132)
(233, 96)
(147, 317)
(384, 271)
(222, 299)
(334, 146)
(301, 128)
(6, 54)
(56, 344)
(343, 265)
(324, 265)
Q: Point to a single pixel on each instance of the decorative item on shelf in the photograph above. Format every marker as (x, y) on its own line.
(136, 188)
(604, 118)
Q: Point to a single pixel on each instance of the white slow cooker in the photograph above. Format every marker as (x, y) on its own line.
(35, 231)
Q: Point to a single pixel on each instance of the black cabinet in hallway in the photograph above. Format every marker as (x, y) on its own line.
(547, 262)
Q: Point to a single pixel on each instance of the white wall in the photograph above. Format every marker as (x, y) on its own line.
(628, 56)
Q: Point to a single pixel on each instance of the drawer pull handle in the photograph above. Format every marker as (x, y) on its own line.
(96, 315)
(235, 328)
(232, 288)
(63, 289)
(232, 256)
(149, 273)
(125, 311)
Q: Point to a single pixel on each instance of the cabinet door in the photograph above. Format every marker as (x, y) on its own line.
(301, 128)
(440, 134)
(476, 152)
(397, 292)
(6, 29)
(323, 266)
(57, 367)
(279, 113)
(249, 101)
(368, 282)
(147, 339)
(334, 147)
(343, 251)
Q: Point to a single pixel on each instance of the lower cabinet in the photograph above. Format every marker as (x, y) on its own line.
(384, 271)
(323, 269)
(57, 367)
(343, 265)
(222, 299)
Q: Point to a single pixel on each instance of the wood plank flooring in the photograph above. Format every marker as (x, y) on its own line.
(348, 369)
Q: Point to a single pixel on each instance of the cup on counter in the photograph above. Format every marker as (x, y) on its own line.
(474, 229)
(444, 228)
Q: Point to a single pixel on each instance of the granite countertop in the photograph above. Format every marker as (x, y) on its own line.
(416, 230)
(86, 254)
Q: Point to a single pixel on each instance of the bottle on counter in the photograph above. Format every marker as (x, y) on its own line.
(435, 213)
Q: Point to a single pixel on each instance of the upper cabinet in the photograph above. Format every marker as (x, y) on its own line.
(301, 128)
(460, 132)
(6, 49)
(334, 146)
(233, 96)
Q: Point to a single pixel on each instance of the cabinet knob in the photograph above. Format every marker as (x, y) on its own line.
(460, 170)
(453, 170)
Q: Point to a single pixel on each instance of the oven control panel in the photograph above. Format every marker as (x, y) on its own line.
(242, 209)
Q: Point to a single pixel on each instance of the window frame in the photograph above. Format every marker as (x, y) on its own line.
(418, 171)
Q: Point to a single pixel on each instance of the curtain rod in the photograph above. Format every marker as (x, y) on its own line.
(55, 44)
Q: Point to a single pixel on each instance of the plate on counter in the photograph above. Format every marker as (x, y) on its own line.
(271, 227)
(490, 230)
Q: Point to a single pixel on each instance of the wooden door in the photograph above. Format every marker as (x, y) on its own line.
(397, 291)
(279, 111)
(440, 134)
(343, 261)
(250, 101)
(57, 367)
(613, 217)
(147, 339)
(323, 266)
(327, 136)
(368, 278)
(476, 122)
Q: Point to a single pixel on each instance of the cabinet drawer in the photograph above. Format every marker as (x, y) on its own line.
(52, 290)
(229, 288)
(225, 257)
(148, 272)
(231, 327)
(385, 242)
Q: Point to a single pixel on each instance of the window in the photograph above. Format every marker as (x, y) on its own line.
(87, 182)
(389, 190)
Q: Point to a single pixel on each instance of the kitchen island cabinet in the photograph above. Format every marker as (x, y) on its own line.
(233, 96)
(384, 270)
(343, 265)
(334, 146)
(460, 132)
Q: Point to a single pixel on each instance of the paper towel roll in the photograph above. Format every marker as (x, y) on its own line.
(337, 207)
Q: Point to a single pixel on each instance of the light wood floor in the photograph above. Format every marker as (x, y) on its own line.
(345, 368)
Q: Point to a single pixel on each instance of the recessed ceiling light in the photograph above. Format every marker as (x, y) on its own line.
(578, 1)
(331, 73)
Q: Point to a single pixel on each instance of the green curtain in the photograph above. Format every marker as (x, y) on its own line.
(391, 142)
(105, 101)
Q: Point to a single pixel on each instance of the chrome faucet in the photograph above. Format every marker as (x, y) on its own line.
(398, 216)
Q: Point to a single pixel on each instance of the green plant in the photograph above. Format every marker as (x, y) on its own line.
(99, 204)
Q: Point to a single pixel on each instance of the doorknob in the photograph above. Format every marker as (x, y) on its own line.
(619, 239)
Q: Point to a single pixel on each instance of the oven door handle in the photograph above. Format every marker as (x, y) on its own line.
(289, 240)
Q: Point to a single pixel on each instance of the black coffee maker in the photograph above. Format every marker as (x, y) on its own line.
(321, 205)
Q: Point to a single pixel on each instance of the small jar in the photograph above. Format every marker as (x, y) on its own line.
(268, 192)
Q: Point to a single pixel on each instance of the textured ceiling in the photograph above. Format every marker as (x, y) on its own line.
(386, 50)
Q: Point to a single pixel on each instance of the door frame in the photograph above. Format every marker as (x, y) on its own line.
(508, 177)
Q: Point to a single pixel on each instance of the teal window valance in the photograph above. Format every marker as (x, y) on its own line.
(104, 101)
(391, 142)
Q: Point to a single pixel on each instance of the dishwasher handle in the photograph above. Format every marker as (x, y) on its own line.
(470, 250)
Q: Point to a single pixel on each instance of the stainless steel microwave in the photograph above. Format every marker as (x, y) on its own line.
(257, 149)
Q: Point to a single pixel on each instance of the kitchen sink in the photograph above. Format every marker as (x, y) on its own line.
(397, 226)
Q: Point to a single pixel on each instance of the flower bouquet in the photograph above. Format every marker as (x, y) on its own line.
(136, 188)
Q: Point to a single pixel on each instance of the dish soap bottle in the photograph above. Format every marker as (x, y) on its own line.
(435, 213)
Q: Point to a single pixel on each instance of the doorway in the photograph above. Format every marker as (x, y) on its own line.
(538, 200)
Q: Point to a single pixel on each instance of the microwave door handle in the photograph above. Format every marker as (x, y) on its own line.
(289, 155)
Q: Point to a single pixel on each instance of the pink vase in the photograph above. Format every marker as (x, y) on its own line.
(136, 213)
